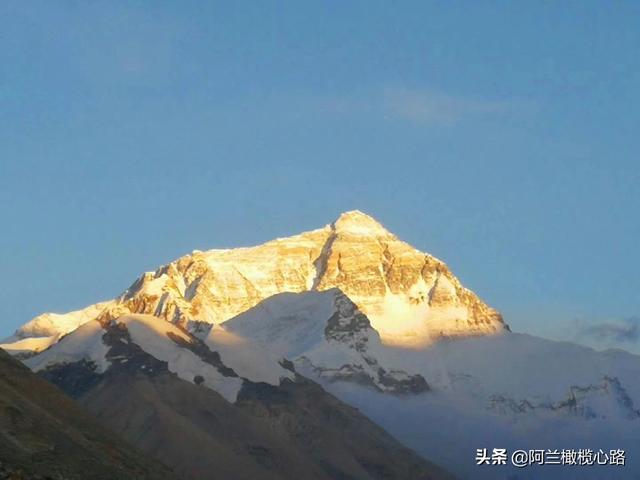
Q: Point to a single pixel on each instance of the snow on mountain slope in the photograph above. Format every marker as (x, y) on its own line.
(410, 297)
(85, 343)
(325, 335)
(44, 330)
(288, 323)
(51, 324)
(25, 347)
(183, 353)
(246, 358)
(154, 337)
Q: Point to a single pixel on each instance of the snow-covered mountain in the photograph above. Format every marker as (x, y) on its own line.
(324, 334)
(380, 325)
(410, 297)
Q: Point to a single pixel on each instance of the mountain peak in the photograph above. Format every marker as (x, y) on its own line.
(410, 297)
(356, 222)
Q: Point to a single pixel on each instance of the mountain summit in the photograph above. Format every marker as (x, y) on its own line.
(410, 297)
(355, 222)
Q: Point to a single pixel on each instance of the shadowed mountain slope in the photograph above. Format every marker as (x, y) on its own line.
(45, 434)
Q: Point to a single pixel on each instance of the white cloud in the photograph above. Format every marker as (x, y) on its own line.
(425, 106)
(438, 108)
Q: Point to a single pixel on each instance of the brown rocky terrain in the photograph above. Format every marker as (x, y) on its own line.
(45, 435)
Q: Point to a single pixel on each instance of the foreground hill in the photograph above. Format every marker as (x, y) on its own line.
(45, 434)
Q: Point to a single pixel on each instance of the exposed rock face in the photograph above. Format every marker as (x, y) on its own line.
(348, 325)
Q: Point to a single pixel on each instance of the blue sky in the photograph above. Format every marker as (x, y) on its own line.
(498, 136)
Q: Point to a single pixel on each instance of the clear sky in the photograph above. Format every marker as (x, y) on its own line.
(501, 137)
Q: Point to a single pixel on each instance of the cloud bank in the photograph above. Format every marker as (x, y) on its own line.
(625, 331)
